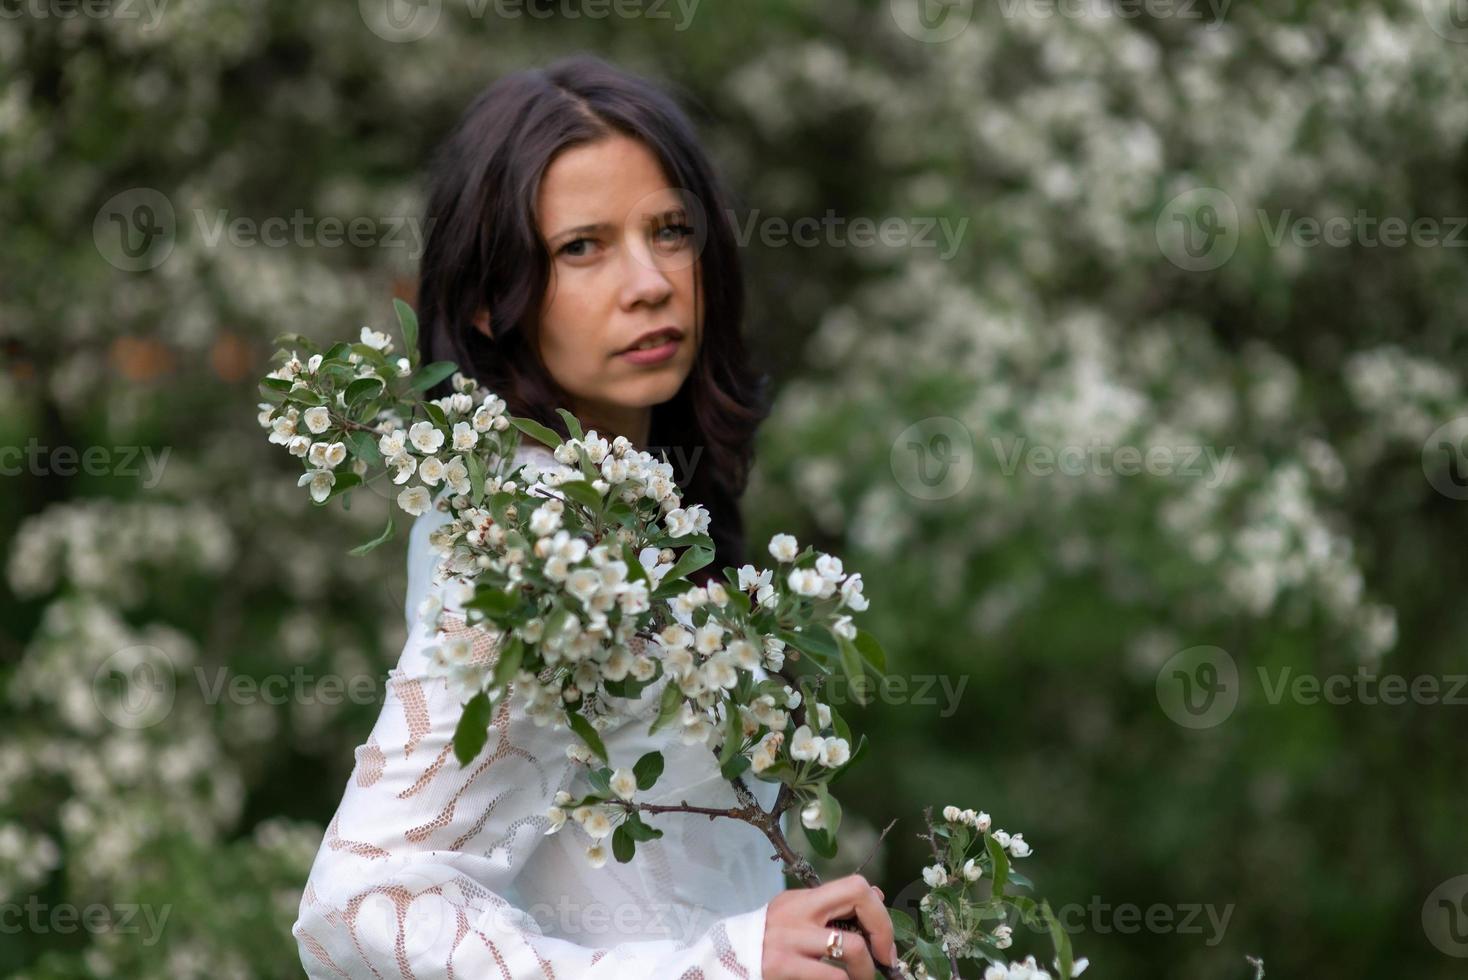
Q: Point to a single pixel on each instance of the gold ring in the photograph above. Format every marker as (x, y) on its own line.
(833, 944)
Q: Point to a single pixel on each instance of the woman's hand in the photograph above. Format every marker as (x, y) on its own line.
(796, 929)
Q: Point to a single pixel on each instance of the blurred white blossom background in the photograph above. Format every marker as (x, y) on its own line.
(1307, 381)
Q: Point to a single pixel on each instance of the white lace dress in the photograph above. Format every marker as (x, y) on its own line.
(433, 870)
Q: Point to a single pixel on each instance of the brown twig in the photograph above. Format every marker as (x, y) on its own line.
(873, 852)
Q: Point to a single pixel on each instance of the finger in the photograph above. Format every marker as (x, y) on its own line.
(794, 967)
(853, 896)
(854, 953)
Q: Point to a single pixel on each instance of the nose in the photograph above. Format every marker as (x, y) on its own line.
(644, 281)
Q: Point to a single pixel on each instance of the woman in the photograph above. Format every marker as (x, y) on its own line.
(580, 256)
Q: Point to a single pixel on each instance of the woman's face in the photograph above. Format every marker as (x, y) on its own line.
(623, 263)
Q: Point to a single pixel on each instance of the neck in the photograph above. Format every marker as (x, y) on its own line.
(612, 421)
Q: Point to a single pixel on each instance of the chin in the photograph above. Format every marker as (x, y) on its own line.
(653, 389)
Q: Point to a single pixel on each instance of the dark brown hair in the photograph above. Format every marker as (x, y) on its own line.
(484, 251)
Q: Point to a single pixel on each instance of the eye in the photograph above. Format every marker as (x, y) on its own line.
(673, 234)
(571, 248)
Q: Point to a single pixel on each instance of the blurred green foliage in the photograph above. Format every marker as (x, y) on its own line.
(1065, 151)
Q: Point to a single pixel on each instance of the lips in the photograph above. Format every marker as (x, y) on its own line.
(659, 336)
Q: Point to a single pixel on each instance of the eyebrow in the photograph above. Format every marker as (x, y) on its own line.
(677, 212)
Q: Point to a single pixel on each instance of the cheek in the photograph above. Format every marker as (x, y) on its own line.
(572, 357)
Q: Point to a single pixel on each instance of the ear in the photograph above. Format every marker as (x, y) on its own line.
(481, 322)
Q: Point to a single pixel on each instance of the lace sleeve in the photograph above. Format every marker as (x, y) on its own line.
(415, 876)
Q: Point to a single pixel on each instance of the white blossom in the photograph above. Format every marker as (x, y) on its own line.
(425, 437)
(414, 500)
(321, 482)
(783, 547)
(317, 419)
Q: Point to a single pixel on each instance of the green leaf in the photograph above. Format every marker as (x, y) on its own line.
(492, 602)
(735, 767)
(376, 542)
(871, 650)
(635, 570)
(640, 831)
(902, 925)
(344, 482)
(408, 321)
(280, 385)
(593, 741)
(601, 782)
(432, 374)
(690, 561)
(629, 686)
(473, 729)
(823, 843)
(667, 708)
(363, 447)
(295, 340)
(538, 432)
(647, 770)
(507, 664)
(934, 958)
(573, 424)
(851, 666)
(588, 468)
(815, 640)
(1060, 940)
(831, 810)
(623, 846)
(360, 389)
(476, 478)
(733, 736)
(498, 504)
(556, 623)
(1000, 876)
(584, 494)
